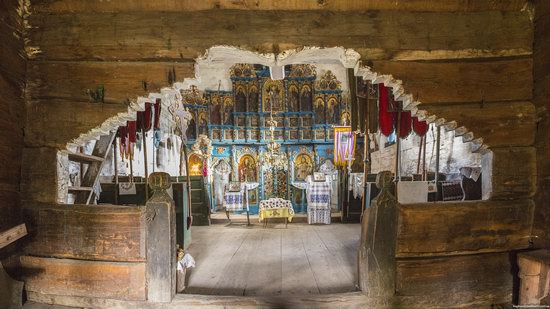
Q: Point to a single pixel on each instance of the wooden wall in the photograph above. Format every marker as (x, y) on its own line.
(96, 251)
(12, 81)
(472, 63)
(541, 98)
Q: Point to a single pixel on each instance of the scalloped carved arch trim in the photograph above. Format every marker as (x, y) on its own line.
(310, 55)
(306, 55)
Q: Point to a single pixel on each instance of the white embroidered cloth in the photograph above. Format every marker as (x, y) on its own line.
(237, 201)
(277, 203)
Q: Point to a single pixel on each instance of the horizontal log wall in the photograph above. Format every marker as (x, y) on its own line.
(460, 228)
(114, 280)
(101, 232)
(541, 62)
(12, 80)
(375, 34)
(462, 279)
(348, 5)
(85, 250)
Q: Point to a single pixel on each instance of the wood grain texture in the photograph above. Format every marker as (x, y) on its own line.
(468, 277)
(12, 110)
(116, 280)
(186, 35)
(56, 123)
(122, 81)
(39, 175)
(473, 81)
(541, 98)
(499, 123)
(9, 236)
(456, 228)
(91, 232)
(511, 174)
(340, 5)
(299, 260)
(350, 300)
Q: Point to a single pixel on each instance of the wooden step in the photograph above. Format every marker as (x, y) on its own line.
(80, 189)
(84, 158)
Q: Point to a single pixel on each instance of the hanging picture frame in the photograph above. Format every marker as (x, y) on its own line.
(319, 177)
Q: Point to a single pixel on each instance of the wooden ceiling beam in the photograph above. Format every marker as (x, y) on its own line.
(146, 36)
(48, 6)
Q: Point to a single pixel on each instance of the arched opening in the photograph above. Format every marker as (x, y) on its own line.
(247, 104)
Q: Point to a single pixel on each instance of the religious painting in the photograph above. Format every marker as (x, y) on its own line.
(319, 109)
(294, 121)
(358, 162)
(195, 165)
(253, 196)
(227, 111)
(306, 121)
(333, 111)
(293, 134)
(303, 166)
(241, 121)
(254, 121)
(228, 134)
(216, 134)
(253, 98)
(248, 169)
(293, 99)
(203, 122)
(192, 128)
(234, 186)
(306, 96)
(215, 110)
(298, 197)
(319, 176)
(240, 99)
(273, 96)
(307, 134)
(345, 119)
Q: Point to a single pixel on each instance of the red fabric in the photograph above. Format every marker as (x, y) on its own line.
(157, 114)
(131, 131)
(419, 127)
(405, 124)
(122, 133)
(386, 118)
(144, 118)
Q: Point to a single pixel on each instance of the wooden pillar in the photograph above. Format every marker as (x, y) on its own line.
(146, 168)
(161, 241)
(376, 255)
(437, 154)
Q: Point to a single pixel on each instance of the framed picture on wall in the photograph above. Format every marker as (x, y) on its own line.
(234, 186)
(318, 176)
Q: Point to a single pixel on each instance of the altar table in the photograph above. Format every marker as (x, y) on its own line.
(276, 208)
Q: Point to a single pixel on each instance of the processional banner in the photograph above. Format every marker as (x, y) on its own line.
(344, 145)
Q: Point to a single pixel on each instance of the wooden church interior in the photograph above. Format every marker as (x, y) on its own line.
(228, 154)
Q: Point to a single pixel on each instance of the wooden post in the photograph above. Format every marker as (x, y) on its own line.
(438, 145)
(161, 241)
(419, 154)
(398, 148)
(424, 174)
(146, 169)
(115, 160)
(188, 177)
(376, 255)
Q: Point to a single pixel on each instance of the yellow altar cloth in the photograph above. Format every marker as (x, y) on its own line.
(276, 213)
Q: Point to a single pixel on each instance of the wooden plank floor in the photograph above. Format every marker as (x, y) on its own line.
(252, 261)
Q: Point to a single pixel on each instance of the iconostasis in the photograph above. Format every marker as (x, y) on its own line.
(305, 108)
